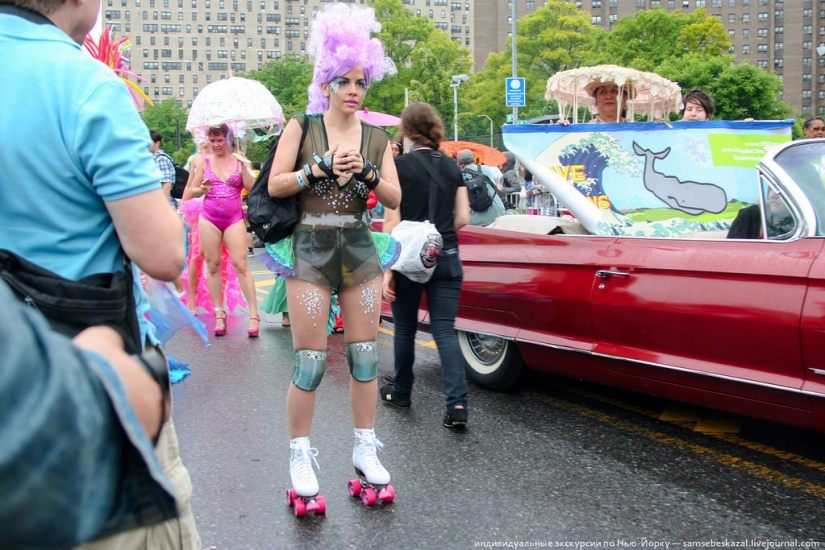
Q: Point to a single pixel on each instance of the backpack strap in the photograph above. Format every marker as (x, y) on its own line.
(482, 174)
(302, 120)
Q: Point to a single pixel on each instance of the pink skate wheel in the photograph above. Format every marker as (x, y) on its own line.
(368, 496)
(321, 505)
(300, 507)
(354, 488)
(290, 496)
(387, 494)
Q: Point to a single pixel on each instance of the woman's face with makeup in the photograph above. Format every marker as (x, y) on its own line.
(347, 92)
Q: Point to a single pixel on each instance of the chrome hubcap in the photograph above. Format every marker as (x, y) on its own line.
(487, 349)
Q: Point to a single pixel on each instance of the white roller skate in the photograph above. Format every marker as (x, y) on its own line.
(373, 479)
(304, 497)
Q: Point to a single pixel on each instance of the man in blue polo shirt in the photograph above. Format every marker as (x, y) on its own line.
(82, 188)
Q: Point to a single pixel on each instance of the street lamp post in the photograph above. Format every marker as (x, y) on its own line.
(491, 127)
(455, 83)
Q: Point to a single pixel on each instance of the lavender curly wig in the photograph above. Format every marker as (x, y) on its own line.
(340, 41)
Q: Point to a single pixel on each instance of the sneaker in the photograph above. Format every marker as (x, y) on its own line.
(365, 457)
(395, 399)
(250, 252)
(300, 467)
(455, 418)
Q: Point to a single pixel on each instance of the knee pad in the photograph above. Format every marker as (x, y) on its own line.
(363, 360)
(309, 369)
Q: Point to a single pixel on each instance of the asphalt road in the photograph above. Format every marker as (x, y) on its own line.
(559, 464)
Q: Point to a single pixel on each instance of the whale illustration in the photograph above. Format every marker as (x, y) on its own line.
(688, 196)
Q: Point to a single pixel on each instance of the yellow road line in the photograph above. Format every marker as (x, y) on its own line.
(725, 459)
(729, 437)
(426, 343)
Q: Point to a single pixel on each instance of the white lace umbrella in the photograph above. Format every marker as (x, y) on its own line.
(649, 94)
(240, 103)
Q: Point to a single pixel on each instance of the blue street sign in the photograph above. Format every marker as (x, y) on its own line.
(515, 92)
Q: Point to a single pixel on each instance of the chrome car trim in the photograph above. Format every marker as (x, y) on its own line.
(713, 375)
(484, 333)
(671, 367)
(817, 371)
(770, 168)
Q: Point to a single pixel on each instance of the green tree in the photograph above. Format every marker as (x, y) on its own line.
(417, 48)
(554, 38)
(648, 38)
(168, 118)
(288, 80)
(401, 30)
(433, 66)
(740, 90)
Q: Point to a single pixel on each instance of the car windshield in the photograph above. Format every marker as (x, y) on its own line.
(805, 164)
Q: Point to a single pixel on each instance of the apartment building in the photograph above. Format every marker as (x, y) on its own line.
(180, 46)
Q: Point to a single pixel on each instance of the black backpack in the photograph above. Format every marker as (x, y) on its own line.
(476, 183)
(273, 218)
(181, 177)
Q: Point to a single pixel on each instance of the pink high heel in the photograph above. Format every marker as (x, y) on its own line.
(220, 322)
(253, 332)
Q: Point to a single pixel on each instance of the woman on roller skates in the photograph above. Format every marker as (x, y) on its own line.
(342, 159)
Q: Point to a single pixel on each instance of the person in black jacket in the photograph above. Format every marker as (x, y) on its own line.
(422, 126)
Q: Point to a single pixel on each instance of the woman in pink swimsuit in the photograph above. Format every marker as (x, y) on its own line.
(222, 177)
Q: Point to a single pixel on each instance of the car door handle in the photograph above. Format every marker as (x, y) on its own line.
(606, 274)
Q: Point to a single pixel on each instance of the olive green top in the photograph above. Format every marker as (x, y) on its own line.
(327, 196)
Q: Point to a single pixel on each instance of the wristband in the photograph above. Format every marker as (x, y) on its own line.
(301, 180)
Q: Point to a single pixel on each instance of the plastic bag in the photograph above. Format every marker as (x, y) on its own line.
(421, 244)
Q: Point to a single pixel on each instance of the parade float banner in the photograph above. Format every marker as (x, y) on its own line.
(629, 173)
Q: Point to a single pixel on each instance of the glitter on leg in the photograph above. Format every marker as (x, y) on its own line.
(368, 299)
(311, 298)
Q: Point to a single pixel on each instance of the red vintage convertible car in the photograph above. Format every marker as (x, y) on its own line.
(731, 324)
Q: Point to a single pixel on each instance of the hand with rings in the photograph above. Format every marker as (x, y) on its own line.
(352, 162)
